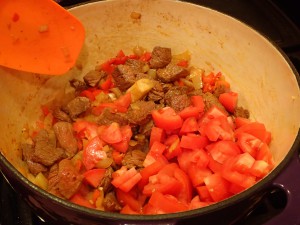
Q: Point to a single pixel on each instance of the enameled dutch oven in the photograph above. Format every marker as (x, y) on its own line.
(267, 82)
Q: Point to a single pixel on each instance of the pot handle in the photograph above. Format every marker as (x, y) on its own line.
(289, 181)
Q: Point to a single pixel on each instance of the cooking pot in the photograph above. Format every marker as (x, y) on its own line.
(267, 82)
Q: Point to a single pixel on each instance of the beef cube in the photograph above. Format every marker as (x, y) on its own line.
(179, 102)
(171, 73)
(78, 85)
(36, 168)
(134, 158)
(177, 98)
(64, 180)
(107, 117)
(160, 57)
(60, 115)
(111, 203)
(93, 77)
(45, 152)
(156, 93)
(137, 66)
(241, 112)
(27, 152)
(66, 138)
(124, 77)
(106, 180)
(77, 106)
(140, 112)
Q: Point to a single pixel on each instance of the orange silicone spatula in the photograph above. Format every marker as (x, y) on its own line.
(39, 36)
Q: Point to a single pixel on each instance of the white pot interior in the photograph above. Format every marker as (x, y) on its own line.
(264, 80)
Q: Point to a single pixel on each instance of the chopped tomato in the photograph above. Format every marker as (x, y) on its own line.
(197, 203)
(197, 157)
(150, 170)
(217, 128)
(193, 141)
(197, 174)
(111, 134)
(189, 125)
(256, 129)
(155, 153)
(93, 153)
(222, 150)
(130, 199)
(240, 121)
(126, 179)
(185, 194)
(117, 156)
(128, 210)
(122, 146)
(229, 100)
(157, 134)
(166, 203)
(189, 111)
(172, 147)
(198, 102)
(167, 119)
(249, 143)
(124, 100)
(204, 194)
(85, 129)
(80, 200)
(145, 57)
(217, 187)
(244, 163)
(94, 176)
(260, 168)
(241, 179)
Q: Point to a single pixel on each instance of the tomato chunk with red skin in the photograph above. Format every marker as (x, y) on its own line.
(94, 176)
(193, 141)
(167, 119)
(166, 203)
(93, 153)
(111, 134)
(126, 179)
(217, 187)
(229, 100)
(123, 145)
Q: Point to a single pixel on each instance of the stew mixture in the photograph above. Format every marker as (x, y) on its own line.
(148, 133)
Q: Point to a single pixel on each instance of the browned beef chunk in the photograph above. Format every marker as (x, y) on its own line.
(140, 112)
(93, 77)
(107, 117)
(77, 106)
(45, 150)
(124, 76)
(61, 115)
(34, 168)
(66, 138)
(78, 85)
(157, 93)
(136, 66)
(171, 73)
(106, 181)
(241, 112)
(110, 203)
(64, 179)
(160, 57)
(177, 98)
(146, 128)
(211, 100)
(134, 158)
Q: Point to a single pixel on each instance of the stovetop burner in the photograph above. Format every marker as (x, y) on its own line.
(268, 17)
